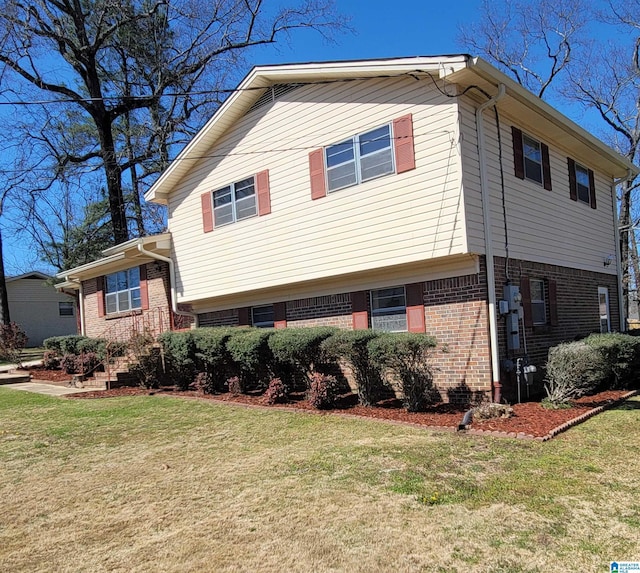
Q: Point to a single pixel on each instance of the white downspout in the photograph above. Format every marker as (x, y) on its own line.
(616, 224)
(172, 281)
(488, 245)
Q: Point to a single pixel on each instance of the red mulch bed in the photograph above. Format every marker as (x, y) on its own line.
(530, 418)
(39, 373)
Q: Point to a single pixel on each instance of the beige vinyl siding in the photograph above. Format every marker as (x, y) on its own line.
(34, 306)
(393, 220)
(543, 226)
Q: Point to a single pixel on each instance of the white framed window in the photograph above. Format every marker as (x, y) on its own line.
(65, 308)
(532, 152)
(235, 202)
(603, 309)
(122, 291)
(583, 184)
(262, 316)
(538, 305)
(389, 309)
(363, 157)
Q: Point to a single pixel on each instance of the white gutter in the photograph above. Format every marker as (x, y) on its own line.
(621, 306)
(172, 280)
(488, 244)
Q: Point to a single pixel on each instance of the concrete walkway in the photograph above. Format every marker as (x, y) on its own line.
(47, 389)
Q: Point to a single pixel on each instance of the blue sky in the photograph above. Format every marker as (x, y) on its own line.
(380, 30)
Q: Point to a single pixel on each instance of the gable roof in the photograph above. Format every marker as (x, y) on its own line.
(33, 275)
(462, 69)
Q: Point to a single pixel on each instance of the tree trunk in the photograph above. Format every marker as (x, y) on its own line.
(4, 300)
(625, 227)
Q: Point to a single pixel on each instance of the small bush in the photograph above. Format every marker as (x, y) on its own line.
(180, 357)
(87, 362)
(50, 360)
(621, 354)
(235, 385)
(65, 344)
(12, 341)
(324, 391)
(407, 355)
(252, 357)
(211, 354)
(299, 348)
(276, 392)
(204, 383)
(573, 370)
(492, 410)
(69, 363)
(353, 347)
(148, 369)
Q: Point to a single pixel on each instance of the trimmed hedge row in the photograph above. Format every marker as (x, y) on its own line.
(301, 359)
(599, 362)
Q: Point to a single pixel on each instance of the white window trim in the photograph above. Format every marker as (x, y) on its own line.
(390, 309)
(355, 142)
(578, 184)
(541, 301)
(116, 294)
(604, 291)
(232, 188)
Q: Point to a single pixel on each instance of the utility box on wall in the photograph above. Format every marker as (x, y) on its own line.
(513, 306)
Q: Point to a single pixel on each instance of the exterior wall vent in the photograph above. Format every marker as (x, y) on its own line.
(273, 93)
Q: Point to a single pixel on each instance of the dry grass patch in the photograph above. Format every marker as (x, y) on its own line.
(162, 484)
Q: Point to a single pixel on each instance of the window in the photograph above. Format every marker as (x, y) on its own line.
(583, 185)
(532, 152)
(360, 158)
(389, 309)
(538, 306)
(65, 308)
(123, 291)
(603, 307)
(262, 316)
(234, 202)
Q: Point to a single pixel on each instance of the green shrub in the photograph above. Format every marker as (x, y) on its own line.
(621, 354)
(353, 347)
(65, 344)
(50, 360)
(407, 356)
(95, 346)
(180, 357)
(211, 354)
(573, 370)
(69, 363)
(299, 349)
(252, 357)
(148, 368)
(324, 391)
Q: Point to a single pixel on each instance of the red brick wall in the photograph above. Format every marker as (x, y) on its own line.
(157, 318)
(219, 318)
(330, 310)
(577, 307)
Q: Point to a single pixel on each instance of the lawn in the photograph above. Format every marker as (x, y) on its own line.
(160, 484)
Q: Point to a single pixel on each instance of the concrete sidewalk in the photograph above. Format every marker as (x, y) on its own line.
(47, 389)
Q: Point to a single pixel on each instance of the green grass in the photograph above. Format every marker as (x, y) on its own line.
(163, 484)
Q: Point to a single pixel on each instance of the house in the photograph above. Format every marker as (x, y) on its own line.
(39, 309)
(429, 194)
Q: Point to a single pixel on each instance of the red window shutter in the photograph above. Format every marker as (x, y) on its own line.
(546, 167)
(244, 316)
(403, 143)
(316, 173)
(280, 315)
(552, 290)
(592, 189)
(518, 152)
(144, 291)
(359, 314)
(415, 307)
(573, 184)
(525, 293)
(100, 295)
(264, 195)
(207, 212)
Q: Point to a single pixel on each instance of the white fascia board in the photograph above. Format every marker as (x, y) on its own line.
(84, 270)
(162, 241)
(250, 89)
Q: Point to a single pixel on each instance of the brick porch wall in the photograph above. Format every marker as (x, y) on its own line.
(577, 306)
(158, 315)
